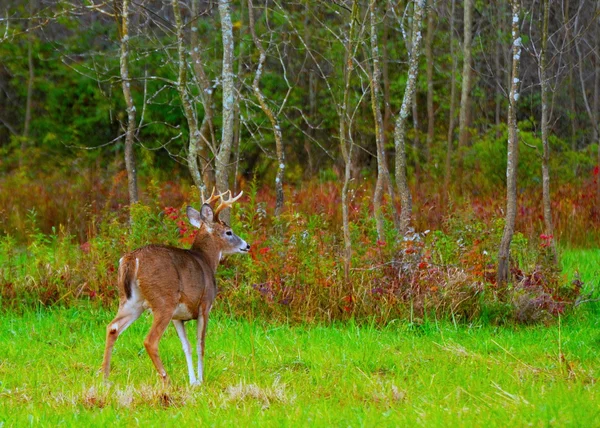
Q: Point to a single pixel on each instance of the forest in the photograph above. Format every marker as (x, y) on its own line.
(423, 171)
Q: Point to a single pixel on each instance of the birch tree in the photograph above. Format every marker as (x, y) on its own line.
(188, 108)
(451, 114)
(268, 111)
(223, 155)
(126, 84)
(429, 70)
(463, 135)
(545, 125)
(513, 150)
(400, 129)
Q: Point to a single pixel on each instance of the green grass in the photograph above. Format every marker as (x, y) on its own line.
(263, 374)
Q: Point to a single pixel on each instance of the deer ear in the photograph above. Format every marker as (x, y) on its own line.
(206, 213)
(194, 216)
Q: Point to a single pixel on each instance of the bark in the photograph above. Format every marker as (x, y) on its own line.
(268, 111)
(451, 119)
(312, 94)
(597, 101)
(572, 102)
(429, 60)
(513, 147)
(463, 133)
(545, 124)
(378, 122)
(188, 109)
(126, 83)
(206, 143)
(498, 79)
(400, 129)
(30, 77)
(222, 161)
(346, 145)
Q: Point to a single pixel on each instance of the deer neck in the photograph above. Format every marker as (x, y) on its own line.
(205, 245)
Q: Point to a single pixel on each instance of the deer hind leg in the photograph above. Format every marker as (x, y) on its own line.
(202, 322)
(126, 315)
(159, 325)
(185, 343)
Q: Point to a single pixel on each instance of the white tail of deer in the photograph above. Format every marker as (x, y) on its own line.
(177, 285)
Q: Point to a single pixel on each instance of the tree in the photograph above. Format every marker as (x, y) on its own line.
(545, 125)
(400, 129)
(463, 133)
(223, 155)
(131, 124)
(268, 111)
(513, 150)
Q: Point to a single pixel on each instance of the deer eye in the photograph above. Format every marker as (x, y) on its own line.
(229, 233)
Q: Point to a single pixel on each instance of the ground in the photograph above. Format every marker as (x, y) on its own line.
(434, 374)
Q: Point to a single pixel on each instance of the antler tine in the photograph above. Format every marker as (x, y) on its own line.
(226, 203)
(212, 198)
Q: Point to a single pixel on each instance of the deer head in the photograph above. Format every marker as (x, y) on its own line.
(209, 223)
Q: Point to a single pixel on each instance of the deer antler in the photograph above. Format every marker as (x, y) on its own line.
(212, 198)
(226, 203)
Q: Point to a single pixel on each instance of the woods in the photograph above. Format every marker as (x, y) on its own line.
(410, 116)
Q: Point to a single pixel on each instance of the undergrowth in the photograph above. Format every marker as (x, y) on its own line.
(294, 271)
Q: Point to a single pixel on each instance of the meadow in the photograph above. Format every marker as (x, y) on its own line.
(261, 373)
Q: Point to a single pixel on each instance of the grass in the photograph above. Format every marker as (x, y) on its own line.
(273, 375)
(264, 374)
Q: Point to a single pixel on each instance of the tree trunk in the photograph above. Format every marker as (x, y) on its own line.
(268, 111)
(30, 77)
(346, 145)
(545, 128)
(126, 83)
(206, 143)
(463, 133)
(189, 111)
(400, 130)
(513, 150)
(451, 118)
(429, 60)
(224, 153)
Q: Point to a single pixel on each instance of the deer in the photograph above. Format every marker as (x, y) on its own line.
(176, 284)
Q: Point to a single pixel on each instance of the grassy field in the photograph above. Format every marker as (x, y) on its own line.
(261, 374)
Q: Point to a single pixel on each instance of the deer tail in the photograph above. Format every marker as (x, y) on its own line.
(127, 275)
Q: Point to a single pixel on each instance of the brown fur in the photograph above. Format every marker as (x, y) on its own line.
(176, 284)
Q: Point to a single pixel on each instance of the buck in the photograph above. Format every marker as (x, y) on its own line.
(177, 285)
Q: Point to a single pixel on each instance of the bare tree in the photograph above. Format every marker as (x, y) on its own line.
(345, 131)
(429, 70)
(223, 156)
(400, 130)
(513, 150)
(188, 109)
(383, 173)
(463, 133)
(126, 83)
(268, 111)
(451, 118)
(545, 124)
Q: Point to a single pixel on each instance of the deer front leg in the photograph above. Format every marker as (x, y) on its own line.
(202, 321)
(187, 350)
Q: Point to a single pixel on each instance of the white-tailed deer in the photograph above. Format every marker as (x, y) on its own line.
(175, 284)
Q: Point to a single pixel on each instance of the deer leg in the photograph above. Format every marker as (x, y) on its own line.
(125, 317)
(202, 321)
(187, 350)
(159, 325)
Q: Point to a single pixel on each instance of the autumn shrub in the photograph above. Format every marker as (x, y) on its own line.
(294, 270)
